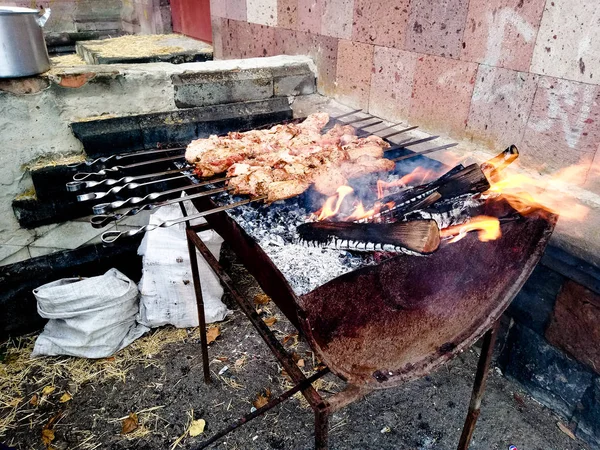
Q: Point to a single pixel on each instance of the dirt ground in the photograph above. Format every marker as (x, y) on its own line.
(67, 403)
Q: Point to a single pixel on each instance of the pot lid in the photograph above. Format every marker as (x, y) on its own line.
(7, 10)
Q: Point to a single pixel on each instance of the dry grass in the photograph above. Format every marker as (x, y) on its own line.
(133, 46)
(21, 376)
(67, 61)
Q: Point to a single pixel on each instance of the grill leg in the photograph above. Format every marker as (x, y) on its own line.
(483, 368)
(200, 305)
(321, 427)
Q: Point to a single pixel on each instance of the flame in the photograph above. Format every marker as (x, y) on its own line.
(552, 193)
(332, 204)
(418, 176)
(488, 227)
(360, 213)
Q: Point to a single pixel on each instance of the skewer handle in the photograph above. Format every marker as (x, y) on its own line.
(109, 237)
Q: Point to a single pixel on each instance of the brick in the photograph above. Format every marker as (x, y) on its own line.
(229, 39)
(263, 12)
(353, 73)
(392, 83)
(592, 182)
(442, 93)
(575, 324)
(236, 9)
(380, 23)
(309, 15)
(501, 33)
(287, 14)
(500, 106)
(566, 45)
(217, 8)
(563, 125)
(324, 51)
(337, 18)
(436, 27)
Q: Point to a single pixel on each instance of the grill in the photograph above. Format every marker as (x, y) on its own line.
(374, 323)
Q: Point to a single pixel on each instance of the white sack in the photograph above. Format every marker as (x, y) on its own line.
(166, 287)
(89, 317)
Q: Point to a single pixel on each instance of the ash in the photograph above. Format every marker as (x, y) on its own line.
(274, 229)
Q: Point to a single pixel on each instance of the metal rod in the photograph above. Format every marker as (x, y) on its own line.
(260, 411)
(103, 208)
(418, 141)
(321, 429)
(483, 367)
(105, 159)
(109, 237)
(286, 360)
(424, 152)
(199, 304)
(101, 220)
(80, 176)
(356, 111)
(387, 136)
(76, 186)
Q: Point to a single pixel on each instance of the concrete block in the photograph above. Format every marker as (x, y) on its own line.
(287, 14)
(217, 37)
(20, 254)
(436, 28)
(500, 106)
(442, 92)
(392, 83)
(337, 18)
(236, 9)
(533, 305)
(354, 66)
(575, 324)
(380, 23)
(205, 89)
(545, 372)
(563, 125)
(588, 418)
(501, 33)
(69, 235)
(303, 84)
(263, 12)
(309, 15)
(567, 42)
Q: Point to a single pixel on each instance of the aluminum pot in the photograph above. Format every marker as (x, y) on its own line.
(22, 47)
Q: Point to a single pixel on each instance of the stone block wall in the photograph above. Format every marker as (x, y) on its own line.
(498, 72)
(146, 17)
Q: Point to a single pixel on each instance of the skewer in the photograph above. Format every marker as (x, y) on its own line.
(109, 237)
(76, 186)
(103, 208)
(425, 152)
(387, 136)
(105, 159)
(130, 186)
(101, 220)
(80, 176)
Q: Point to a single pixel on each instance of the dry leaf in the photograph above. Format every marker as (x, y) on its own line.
(261, 299)
(130, 423)
(197, 427)
(47, 436)
(300, 363)
(48, 390)
(565, 430)
(240, 362)
(287, 338)
(285, 375)
(34, 400)
(270, 321)
(212, 333)
(65, 397)
(222, 358)
(295, 357)
(262, 399)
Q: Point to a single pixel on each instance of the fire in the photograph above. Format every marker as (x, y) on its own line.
(552, 193)
(332, 204)
(418, 176)
(360, 213)
(488, 229)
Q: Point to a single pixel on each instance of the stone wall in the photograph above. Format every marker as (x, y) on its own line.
(146, 17)
(495, 71)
